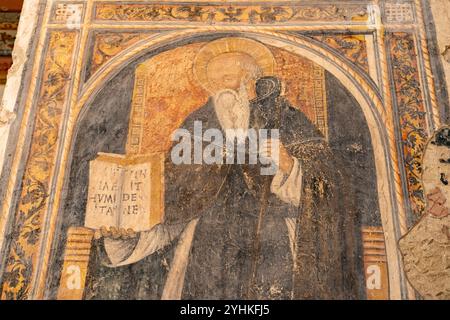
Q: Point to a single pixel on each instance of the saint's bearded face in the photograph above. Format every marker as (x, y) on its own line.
(231, 71)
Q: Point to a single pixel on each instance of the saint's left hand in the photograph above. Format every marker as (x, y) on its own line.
(115, 233)
(285, 162)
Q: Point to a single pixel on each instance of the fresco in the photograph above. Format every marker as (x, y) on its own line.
(245, 151)
(204, 203)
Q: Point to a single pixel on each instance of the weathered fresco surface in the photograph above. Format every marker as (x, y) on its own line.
(95, 205)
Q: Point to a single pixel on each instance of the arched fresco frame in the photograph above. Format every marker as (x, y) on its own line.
(364, 92)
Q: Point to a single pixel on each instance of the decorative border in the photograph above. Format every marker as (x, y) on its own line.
(353, 47)
(67, 12)
(36, 196)
(320, 100)
(36, 181)
(109, 44)
(412, 114)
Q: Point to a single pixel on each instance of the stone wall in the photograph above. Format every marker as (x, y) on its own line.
(386, 63)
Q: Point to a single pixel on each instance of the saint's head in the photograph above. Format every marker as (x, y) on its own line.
(232, 64)
(232, 71)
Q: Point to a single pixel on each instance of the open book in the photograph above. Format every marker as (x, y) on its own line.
(125, 191)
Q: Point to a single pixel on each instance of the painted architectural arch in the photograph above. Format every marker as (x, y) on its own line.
(357, 104)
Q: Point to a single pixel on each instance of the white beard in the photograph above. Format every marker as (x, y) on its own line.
(232, 108)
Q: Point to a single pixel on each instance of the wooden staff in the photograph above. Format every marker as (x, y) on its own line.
(263, 206)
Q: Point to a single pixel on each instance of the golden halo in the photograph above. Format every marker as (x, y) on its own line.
(260, 53)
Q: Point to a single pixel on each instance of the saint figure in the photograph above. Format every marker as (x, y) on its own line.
(229, 231)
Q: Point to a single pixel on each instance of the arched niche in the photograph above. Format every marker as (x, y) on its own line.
(362, 90)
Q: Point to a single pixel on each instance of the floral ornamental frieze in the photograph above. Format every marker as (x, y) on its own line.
(211, 14)
(396, 12)
(108, 44)
(37, 177)
(353, 47)
(411, 112)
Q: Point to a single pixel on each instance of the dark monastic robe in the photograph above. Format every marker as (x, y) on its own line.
(227, 199)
